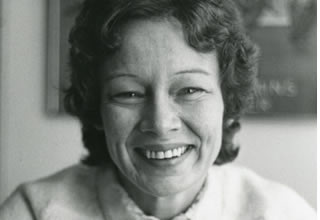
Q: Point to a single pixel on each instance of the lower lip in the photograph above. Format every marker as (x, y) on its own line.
(167, 162)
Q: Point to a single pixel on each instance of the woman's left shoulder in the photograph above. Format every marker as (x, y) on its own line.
(262, 197)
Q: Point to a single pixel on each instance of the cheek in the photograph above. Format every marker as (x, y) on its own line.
(207, 118)
(211, 132)
(118, 124)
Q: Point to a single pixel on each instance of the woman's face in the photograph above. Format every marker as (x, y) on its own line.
(162, 108)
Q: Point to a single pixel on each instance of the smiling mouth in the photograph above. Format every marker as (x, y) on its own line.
(166, 155)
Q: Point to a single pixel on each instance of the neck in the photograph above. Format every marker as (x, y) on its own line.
(165, 207)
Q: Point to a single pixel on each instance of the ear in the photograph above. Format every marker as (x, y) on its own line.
(229, 122)
(231, 125)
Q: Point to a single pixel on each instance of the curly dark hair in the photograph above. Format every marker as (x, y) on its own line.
(208, 25)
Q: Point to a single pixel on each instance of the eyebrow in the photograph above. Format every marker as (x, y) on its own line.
(192, 71)
(189, 71)
(119, 75)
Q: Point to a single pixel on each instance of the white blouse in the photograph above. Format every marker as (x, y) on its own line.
(82, 193)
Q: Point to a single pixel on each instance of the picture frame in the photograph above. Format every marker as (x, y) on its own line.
(61, 15)
(286, 35)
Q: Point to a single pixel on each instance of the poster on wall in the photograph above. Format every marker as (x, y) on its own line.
(285, 31)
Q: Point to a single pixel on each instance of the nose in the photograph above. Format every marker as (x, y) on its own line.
(160, 117)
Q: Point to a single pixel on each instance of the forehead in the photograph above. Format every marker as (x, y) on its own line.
(153, 34)
(158, 45)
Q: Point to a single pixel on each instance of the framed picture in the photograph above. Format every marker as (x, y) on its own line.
(286, 35)
(61, 15)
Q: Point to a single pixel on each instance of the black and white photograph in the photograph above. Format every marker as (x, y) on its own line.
(158, 109)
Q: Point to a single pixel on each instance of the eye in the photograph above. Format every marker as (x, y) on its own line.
(128, 97)
(190, 93)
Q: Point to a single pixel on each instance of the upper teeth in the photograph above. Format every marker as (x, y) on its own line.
(176, 152)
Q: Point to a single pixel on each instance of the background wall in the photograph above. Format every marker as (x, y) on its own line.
(284, 150)
(34, 144)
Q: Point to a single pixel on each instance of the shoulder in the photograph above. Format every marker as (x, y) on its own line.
(255, 196)
(67, 194)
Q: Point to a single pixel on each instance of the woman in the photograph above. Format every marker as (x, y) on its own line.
(158, 86)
